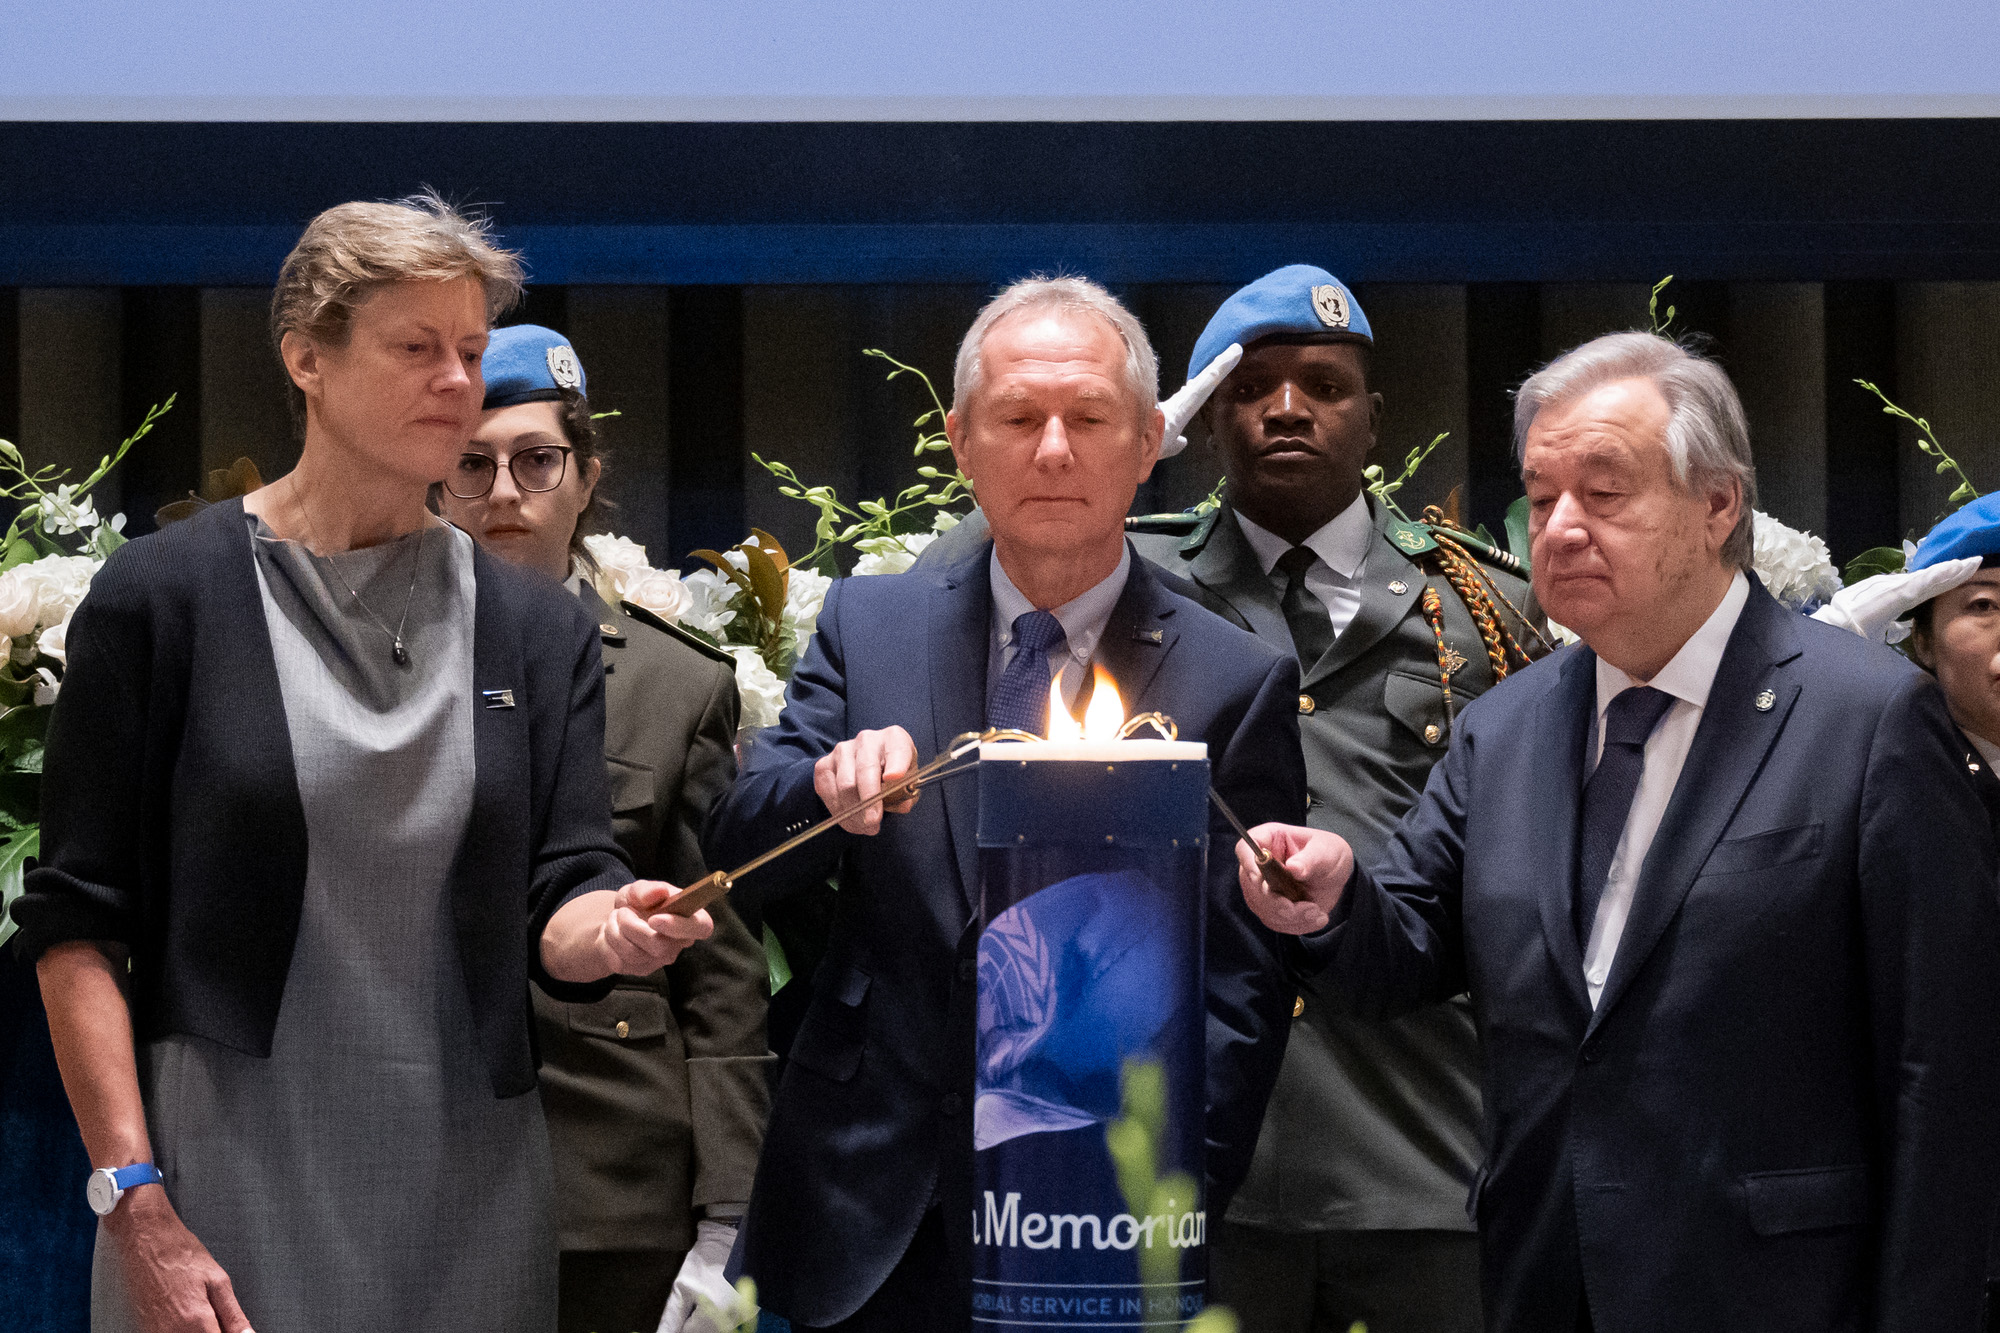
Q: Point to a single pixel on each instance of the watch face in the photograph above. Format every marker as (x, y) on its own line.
(102, 1192)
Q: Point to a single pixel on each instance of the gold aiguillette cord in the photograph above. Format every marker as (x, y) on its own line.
(950, 762)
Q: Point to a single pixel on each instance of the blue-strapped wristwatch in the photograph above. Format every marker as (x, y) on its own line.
(107, 1187)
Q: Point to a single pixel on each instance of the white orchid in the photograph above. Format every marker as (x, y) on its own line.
(708, 603)
(1795, 567)
(892, 555)
(64, 511)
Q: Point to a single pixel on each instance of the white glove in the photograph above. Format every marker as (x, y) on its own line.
(1180, 409)
(700, 1290)
(1872, 605)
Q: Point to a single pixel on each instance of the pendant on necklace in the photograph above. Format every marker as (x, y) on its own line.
(400, 653)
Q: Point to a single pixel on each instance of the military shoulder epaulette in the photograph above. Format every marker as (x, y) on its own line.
(694, 641)
(1414, 537)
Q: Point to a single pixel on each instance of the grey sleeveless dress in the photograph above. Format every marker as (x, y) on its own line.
(364, 1177)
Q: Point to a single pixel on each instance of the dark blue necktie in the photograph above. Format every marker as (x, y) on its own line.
(1305, 615)
(1021, 700)
(1608, 793)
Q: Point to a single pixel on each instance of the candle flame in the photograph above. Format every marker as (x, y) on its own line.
(1101, 721)
(1062, 727)
(1106, 713)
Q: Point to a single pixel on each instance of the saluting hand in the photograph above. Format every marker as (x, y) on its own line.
(1321, 861)
(857, 769)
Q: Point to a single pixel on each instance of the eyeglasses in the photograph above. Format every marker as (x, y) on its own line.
(536, 469)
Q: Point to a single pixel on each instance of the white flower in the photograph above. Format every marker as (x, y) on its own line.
(1796, 567)
(54, 642)
(621, 558)
(20, 604)
(46, 687)
(891, 555)
(66, 512)
(709, 594)
(946, 521)
(805, 593)
(58, 582)
(761, 692)
(662, 593)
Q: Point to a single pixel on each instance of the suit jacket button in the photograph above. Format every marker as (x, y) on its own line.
(1306, 705)
(1298, 1006)
(623, 1029)
(951, 1103)
(1433, 734)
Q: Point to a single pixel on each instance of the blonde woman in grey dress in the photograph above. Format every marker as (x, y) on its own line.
(329, 780)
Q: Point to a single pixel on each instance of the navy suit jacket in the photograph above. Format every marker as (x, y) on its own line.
(872, 1118)
(1781, 1114)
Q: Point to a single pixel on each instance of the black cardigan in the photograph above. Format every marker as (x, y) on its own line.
(171, 819)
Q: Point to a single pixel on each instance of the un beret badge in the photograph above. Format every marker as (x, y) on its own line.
(563, 367)
(1330, 306)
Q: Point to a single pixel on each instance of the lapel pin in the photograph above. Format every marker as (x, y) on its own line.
(1398, 587)
(1151, 636)
(497, 698)
(1765, 701)
(1971, 764)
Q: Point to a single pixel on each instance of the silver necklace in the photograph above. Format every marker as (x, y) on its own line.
(396, 648)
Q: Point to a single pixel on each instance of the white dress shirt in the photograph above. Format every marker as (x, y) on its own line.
(1083, 619)
(1688, 677)
(1342, 547)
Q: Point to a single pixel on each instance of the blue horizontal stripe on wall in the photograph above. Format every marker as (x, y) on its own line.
(220, 204)
(221, 256)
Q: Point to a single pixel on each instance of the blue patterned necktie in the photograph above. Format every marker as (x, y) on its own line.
(1608, 793)
(1021, 700)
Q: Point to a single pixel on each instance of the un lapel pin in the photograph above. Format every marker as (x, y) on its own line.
(1766, 700)
(497, 698)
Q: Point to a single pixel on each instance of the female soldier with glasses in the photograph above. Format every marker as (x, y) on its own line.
(655, 1096)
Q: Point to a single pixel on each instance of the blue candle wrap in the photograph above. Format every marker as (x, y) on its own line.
(1090, 956)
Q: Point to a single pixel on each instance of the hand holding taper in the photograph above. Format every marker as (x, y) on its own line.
(1278, 879)
(901, 794)
(1319, 862)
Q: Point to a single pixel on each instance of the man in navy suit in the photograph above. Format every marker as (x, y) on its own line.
(1723, 893)
(858, 1216)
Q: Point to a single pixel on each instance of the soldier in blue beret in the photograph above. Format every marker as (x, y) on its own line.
(655, 1096)
(1355, 1204)
(1955, 629)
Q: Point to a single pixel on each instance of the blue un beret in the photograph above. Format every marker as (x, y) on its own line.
(526, 363)
(1297, 298)
(1973, 530)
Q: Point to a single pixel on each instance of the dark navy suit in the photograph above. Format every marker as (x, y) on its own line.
(1782, 1113)
(872, 1120)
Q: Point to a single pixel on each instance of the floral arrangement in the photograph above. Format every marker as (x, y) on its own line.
(758, 604)
(52, 549)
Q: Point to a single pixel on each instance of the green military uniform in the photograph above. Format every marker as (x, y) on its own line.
(656, 1096)
(1373, 1127)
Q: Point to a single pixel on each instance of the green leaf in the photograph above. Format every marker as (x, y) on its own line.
(1517, 531)
(1875, 560)
(776, 965)
(14, 853)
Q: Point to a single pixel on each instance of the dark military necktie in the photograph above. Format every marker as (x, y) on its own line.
(1021, 700)
(1608, 792)
(1305, 614)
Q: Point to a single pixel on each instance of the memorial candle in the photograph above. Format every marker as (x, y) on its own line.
(1092, 850)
